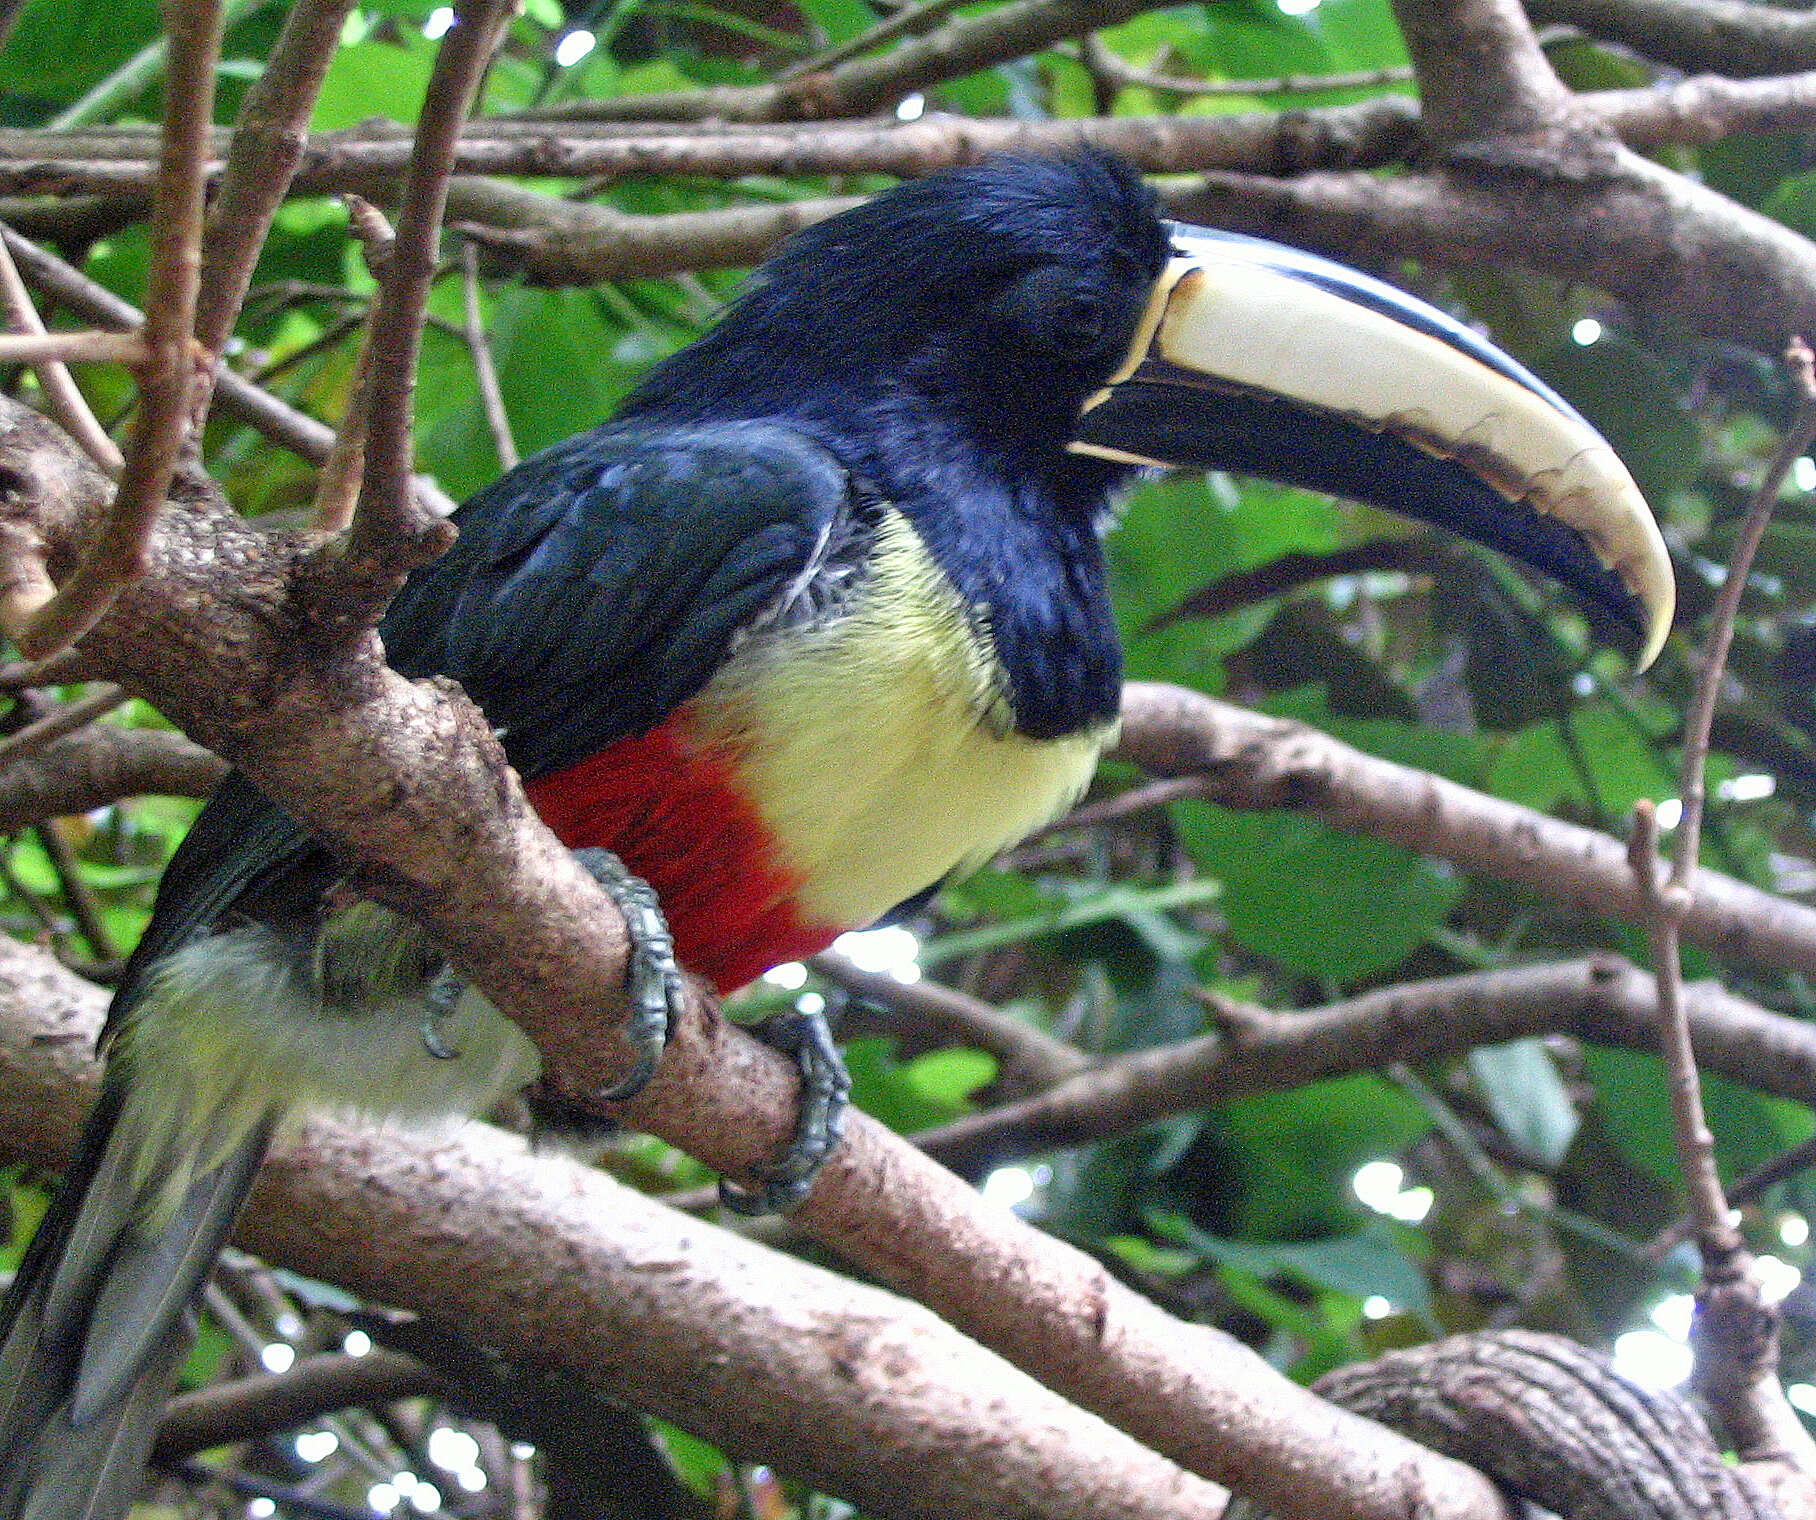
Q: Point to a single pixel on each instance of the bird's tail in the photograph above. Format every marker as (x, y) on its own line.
(97, 1321)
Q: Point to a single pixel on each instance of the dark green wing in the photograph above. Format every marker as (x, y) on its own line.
(596, 588)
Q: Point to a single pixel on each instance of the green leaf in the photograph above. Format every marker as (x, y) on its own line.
(840, 20)
(1373, 1260)
(1293, 1154)
(57, 50)
(914, 1095)
(1628, 394)
(1538, 768)
(388, 77)
(1098, 907)
(1329, 905)
(1523, 1090)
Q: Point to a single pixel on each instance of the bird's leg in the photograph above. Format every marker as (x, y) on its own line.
(825, 1096)
(652, 977)
(654, 983)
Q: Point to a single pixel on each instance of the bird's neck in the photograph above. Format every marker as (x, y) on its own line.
(1014, 526)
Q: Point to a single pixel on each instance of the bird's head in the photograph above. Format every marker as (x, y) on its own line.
(1043, 310)
(1001, 294)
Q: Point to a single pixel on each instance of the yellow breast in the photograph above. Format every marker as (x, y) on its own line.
(877, 746)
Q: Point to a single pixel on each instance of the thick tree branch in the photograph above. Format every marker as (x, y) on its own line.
(1482, 75)
(101, 765)
(1253, 762)
(565, 1267)
(1670, 246)
(1714, 36)
(1372, 132)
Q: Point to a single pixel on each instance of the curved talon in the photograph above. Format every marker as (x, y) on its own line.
(766, 1198)
(439, 1002)
(783, 1185)
(633, 1082)
(652, 977)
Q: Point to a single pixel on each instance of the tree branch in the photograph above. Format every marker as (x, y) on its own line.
(1715, 36)
(1673, 248)
(1029, 1057)
(724, 1337)
(270, 1403)
(66, 718)
(63, 399)
(100, 765)
(267, 145)
(1253, 762)
(117, 555)
(862, 86)
(1604, 1000)
(1482, 75)
(272, 416)
(391, 534)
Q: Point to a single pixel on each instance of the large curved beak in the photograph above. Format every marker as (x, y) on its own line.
(1266, 360)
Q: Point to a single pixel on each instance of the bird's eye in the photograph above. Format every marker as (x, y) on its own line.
(1085, 317)
(1051, 309)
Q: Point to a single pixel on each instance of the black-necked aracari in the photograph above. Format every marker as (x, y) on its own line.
(818, 618)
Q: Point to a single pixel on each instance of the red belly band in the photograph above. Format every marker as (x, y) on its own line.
(674, 813)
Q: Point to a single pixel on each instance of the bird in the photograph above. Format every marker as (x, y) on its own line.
(818, 618)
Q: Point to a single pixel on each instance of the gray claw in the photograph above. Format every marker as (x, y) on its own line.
(782, 1185)
(652, 977)
(439, 1000)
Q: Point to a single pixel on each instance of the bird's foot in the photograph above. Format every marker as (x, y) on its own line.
(652, 977)
(438, 1004)
(825, 1096)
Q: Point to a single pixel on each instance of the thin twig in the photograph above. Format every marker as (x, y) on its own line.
(162, 423)
(63, 398)
(1768, 1174)
(390, 533)
(344, 470)
(266, 1403)
(1665, 904)
(374, 232)
(66, 669)
(1136, 800)
(1737, 1331)
(1036, 1058)
(1099, 59)
(305, 436)
(59, 721)
(485, 372)
(76, 891)
(137, 74)
(72, 348)
(268, 142)
(910, 18)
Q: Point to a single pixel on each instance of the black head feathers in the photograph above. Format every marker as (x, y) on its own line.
(1005, 285)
